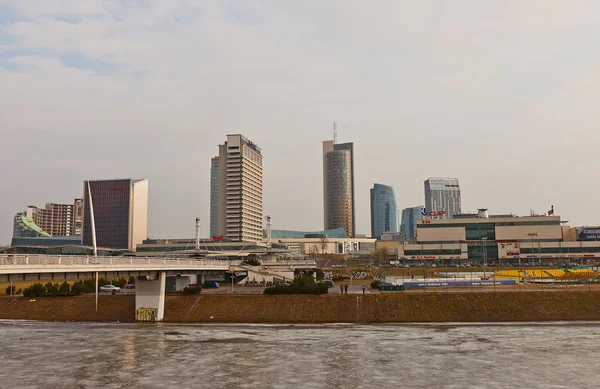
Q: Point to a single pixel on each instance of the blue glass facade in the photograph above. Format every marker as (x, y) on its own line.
(410, 218)
(383, 210)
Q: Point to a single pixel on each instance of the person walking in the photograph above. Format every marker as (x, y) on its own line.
(346, 288)
(364, 288)
(341, 289)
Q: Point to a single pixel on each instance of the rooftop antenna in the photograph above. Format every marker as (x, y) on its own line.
(334, 132)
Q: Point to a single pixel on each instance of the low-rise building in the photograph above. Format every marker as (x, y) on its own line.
(499, 239)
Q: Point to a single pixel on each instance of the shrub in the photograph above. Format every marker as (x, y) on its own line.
(19, 291)
(101, 282)
(34, 290)
(10, 290)
(51, 289)
(320, 274)
(77, 288)
(302, 284)
(192, 290)
(64, 288)
(131, 280)
(375, 284)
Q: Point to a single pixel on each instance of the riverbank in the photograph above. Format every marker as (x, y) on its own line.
(381, 308)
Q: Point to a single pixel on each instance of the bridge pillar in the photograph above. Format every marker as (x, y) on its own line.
(150, 294)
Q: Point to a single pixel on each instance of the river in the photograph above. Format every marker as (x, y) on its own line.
(79, 355)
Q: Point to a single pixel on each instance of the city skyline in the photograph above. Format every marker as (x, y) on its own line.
(436, 102)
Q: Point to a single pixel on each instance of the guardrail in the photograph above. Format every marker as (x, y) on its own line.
(46, 260)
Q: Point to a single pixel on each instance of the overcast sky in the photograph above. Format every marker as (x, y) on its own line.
(502, 94)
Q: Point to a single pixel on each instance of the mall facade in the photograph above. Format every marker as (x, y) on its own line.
(498, 240)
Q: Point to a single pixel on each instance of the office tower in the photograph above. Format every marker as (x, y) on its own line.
(120, 213)
(240, 190)
(384, 215)
(54, 220)
(214, 196)
(410, 218)
(338, 186)
(442, 195)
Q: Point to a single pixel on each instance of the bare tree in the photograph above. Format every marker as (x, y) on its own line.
(323, 242)
(379, 255)
(313, 251)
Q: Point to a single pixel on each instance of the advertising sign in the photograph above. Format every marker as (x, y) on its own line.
(588, 233)
(509, 250)
(460, 283)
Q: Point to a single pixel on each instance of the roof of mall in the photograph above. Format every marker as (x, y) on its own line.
(338, 233)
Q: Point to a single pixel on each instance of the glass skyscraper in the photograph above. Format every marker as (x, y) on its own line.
(442, 194)
(410, 218)
(384, 217)
(214, 196)
(338, 187)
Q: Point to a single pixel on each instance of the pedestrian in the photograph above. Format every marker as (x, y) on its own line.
(341, 289)
(346, 288)
(364, 288)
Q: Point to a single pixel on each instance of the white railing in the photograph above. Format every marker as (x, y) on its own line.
(52, 260)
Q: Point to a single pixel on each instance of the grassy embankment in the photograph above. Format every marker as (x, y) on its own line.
(384, 308)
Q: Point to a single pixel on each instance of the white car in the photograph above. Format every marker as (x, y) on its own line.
(110, 288)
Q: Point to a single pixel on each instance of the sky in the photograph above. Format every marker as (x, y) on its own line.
(503, 95)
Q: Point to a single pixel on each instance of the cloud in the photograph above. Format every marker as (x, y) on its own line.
(96, 89)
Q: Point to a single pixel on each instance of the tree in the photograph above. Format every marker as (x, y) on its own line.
(323, 243)
(379, 255)
(313, 251)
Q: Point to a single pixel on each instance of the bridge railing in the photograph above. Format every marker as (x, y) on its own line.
(45, 260)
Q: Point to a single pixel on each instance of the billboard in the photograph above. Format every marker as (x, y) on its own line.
(588, 233)
(508, 250)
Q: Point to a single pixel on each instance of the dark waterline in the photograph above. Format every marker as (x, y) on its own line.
(449, 355)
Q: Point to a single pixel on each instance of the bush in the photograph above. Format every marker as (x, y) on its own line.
(77, 288)
(192, 290)
(64, 288)
(375, 284)
(51, 289)
(10, 290)
(131, 280)
(320, 274)
(302, 284)
(34, 290)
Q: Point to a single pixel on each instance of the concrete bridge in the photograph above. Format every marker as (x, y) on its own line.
(150, 273)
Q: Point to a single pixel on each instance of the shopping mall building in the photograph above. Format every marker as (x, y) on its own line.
(498, 239)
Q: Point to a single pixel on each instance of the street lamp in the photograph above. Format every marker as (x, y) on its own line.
(531, 235)
(484, 239)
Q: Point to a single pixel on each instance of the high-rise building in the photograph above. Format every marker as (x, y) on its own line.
(410, 218)
(120, 213)
(214, 196)
(384, 215)
(24, 225)
(240, 205)
(54, 220)
(338, 187)
(442, 195)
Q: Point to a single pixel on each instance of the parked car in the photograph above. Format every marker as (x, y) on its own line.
(110, 288)
(210, 285)
(329, 283)
(130, 286)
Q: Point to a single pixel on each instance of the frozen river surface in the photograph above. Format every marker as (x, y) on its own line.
(76, 355)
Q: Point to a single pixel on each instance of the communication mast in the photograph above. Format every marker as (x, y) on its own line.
(334, 132)
(269, 244)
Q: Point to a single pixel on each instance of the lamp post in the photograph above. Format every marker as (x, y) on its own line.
(484, 239)
(531, 235)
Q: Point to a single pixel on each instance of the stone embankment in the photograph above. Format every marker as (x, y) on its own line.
(379, 308)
